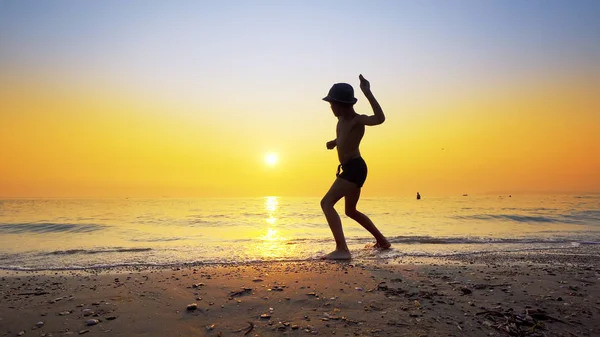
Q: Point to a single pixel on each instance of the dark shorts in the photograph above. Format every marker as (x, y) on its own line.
(354, 170)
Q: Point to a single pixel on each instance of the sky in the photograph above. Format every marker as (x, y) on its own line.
(107, 98)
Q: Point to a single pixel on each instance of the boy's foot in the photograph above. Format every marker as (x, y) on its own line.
(338, 255)
(382, 245)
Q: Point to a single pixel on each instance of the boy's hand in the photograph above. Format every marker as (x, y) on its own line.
(331, 144)
(365, 86)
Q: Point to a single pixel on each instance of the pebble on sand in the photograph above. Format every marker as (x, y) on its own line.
(192, 307)
(87, 312)
(91, 322)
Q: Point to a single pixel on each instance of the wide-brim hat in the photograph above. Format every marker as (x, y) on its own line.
(341, 93)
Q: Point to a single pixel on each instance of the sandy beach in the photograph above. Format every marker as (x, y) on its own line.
(518, 295)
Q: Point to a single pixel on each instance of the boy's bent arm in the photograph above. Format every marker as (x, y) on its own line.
(378, 117)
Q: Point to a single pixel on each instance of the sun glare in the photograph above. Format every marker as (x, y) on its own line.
(271, 158)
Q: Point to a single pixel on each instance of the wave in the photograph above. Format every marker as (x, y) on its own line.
(444, 240)
(399, 254)
(48, 227)
(576, 218)
(155, 240)
(479, 240)
(98, 251)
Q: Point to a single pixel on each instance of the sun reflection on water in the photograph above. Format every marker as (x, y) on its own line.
(272, 243)
(271, 204)
(271, 235)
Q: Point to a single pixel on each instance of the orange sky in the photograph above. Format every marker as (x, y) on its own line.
(70, 143)
(84, 125)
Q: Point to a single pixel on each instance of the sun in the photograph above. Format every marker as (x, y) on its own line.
(271, 159)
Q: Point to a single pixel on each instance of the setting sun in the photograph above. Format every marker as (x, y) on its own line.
(271, 159)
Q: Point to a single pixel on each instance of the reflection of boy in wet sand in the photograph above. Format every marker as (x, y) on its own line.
(349, 131)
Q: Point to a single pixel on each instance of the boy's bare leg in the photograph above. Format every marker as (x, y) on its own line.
(351, 211)
(339, 189)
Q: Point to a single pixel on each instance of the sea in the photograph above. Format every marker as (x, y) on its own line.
(79, 234)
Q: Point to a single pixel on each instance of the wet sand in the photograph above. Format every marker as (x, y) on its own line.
(484, 295)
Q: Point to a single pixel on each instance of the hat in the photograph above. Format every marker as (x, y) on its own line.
(342, 93)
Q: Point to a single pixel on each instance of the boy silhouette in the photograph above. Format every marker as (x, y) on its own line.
(349, 132)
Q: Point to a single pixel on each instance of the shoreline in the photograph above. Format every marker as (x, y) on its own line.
(396, 255)
(482, 296)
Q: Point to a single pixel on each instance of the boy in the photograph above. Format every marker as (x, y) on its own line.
(349, 132)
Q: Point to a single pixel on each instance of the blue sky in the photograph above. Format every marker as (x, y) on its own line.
(181, 43)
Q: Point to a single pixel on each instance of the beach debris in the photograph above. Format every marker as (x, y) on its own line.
(465, 290)
(265, 316)
(210, 327)
(192, 307)
(349, 320)
(309, 329)
(244, 291)
(257, 280)
(488, 286)
(517, 324)
(81, 332)
(382, 286)
(393, 292)
(198, 285)
(91, 322)
(248, 329)
(312, 294)
(396, 323)
(39, 324)
(64, 313)
(34, 293)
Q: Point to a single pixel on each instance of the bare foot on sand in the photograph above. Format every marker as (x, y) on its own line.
(338, 255)
(381, 245)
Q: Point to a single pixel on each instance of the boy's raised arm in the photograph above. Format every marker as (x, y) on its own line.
(378, 117)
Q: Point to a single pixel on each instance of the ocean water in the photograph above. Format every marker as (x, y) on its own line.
(63, 234)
